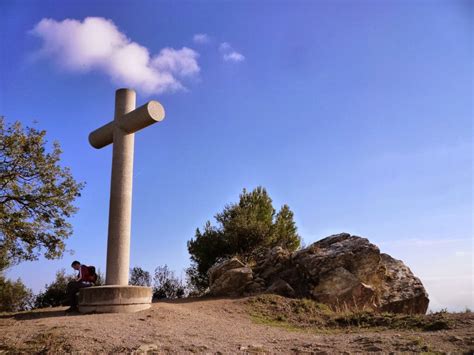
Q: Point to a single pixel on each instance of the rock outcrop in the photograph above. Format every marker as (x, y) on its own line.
(229, 278)
(340, 270)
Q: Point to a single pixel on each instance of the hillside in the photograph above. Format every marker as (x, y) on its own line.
(246, 325)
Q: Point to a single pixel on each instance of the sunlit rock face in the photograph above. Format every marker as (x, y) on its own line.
(402, 292)
(229, 278)
(342, 270)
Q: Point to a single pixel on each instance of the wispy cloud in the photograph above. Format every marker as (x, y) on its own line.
(234, 57)
(229, 54)
(201, 38)
(225, 46)
(97, 44)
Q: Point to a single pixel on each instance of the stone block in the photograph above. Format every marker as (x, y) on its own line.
(114, 299)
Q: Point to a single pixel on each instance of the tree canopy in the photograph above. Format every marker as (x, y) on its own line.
(139, 277)
(243, 229)
(36, 196)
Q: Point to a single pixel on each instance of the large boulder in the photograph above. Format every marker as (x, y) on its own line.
(344, 270)
(341, 270)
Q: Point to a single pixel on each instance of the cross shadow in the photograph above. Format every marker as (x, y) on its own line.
(38, 314)
(55, 312)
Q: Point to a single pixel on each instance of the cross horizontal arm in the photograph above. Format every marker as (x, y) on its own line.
(132, 122)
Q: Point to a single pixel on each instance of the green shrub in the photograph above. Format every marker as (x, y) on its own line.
(54, 294)
(14, 296)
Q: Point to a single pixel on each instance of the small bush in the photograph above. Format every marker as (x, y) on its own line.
(166, 284)
(437, 324)
(54, 294)
(14, 296)
(100, 278)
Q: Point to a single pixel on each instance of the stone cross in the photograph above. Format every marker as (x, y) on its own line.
(120, 132)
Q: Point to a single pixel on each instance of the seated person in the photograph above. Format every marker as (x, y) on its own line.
(85, 278)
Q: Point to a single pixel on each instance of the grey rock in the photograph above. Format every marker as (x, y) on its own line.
(220, 268)
(343, 289)
(401, 291)
(282, 288)
(253, 288)
(147, 349)
(232, 282)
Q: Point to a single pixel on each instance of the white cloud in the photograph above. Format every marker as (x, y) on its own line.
(97, 44)
(229, 54)
(201, 38)
(183, 62)
(233, 57)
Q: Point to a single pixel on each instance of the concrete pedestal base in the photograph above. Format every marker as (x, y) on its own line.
(114, 299)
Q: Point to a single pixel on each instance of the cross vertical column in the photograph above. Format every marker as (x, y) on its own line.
(116, 296)
(120, 209)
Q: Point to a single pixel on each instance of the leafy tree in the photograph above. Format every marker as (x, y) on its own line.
(139, 277)
(4, 263)
(244, 229)
(166, 284)
(14, 296)
(36, 196)
(55, 293)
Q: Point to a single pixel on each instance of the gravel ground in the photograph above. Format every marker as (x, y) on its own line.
(210, 326)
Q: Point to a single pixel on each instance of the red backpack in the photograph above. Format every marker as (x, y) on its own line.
(91, 274)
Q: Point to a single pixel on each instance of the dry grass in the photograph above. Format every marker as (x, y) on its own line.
(308, 314)
(42, 343)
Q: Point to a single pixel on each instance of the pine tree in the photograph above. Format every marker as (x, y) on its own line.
(244, 229)
(285, 231)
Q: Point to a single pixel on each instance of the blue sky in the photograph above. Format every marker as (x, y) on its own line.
(356, 114)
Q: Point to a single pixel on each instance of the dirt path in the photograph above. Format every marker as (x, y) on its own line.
(209, 326)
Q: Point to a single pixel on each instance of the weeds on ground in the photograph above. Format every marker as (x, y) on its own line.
(42, 343)
(305, 313)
